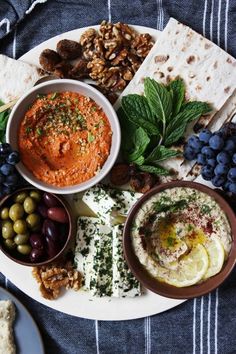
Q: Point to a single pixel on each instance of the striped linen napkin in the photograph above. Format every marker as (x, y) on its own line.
(203, 325)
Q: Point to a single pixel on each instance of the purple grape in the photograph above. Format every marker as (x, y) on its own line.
(223, 157)
(189, 154)
(232, 188)
(211, 162)
(13, 158)
(207, 172)
(208, 152)
(232, 174)
(221, 170)
(230, 146)
(216, 142)
(201, 159)
(218, 181)
(234, 159)
(195, 143)
(205, 135)
(7, 169)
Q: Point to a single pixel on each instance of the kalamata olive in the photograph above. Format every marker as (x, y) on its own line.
(4, 213)
(16, 211)
(20, 226)
(24, 249)
(36, 241)
(9, 243)
(29, 205)
(36, 195)
(21, 239)
(50, 200)
(33, 220)
(52, 248)
(58, 214)
(43, 210)
(36, 254)
(20, 197)
(7, 230)
(50, 230)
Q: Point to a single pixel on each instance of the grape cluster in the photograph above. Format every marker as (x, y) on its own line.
(216, 153)
(9, 177)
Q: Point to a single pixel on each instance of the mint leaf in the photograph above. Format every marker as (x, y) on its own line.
(3, 123)
(136, 106)
(140, 142)
(159, 99)
(139, 161)
(189, 112)
(158, 170)
(198, 106)
(160, 153)
(178, 89)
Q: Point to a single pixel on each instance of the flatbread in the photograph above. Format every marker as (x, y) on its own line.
(16, 77)
(208, 71)
(7, 317)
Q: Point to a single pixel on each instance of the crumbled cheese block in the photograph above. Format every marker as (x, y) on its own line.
(104, 201)
(93, 255)
(99, 201)
(123, 282)
(7, 316)
(99, 257)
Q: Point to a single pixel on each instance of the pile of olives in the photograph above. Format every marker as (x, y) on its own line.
(34, 225)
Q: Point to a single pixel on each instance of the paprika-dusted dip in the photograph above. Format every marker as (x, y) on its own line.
(64, 138)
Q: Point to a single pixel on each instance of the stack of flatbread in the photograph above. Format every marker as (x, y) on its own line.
(16, 77)
(7, 317)
(209, 74)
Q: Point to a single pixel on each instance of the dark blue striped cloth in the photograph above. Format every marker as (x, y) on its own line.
(203, 325)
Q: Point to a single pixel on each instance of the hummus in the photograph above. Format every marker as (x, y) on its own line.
(181, 236)
(64, 138)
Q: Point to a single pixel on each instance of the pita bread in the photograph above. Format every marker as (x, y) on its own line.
(16, 77)
(208, 71)
(7, 317)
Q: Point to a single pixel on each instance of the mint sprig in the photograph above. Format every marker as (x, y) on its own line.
(153, 122)
(3, 123)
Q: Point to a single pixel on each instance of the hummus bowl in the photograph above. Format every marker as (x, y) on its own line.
(68, 136)
(180, 240)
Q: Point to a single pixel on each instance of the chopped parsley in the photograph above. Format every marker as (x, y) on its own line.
(205, 209)
(91, 137)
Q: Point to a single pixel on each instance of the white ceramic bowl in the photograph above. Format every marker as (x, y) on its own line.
(62, 85)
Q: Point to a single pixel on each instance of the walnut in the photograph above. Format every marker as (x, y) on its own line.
(54, 277)
(115, 53)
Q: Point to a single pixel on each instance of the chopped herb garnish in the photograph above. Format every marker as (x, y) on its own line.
(170, 241)
(162, 207)
(205, 209)
(54, 95)
(39, 131)
(41, 95)
(94, 108)
(28, 130)
(91, 137)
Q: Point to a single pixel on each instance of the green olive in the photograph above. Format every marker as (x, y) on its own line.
(5, 213)
(7, 230)
(21, 239)
(33, 220)
(20, 197)
(20, 226)
(29, 205)
(9, 243)
(35, 195)
(16, 211)
(36, 228)
(24, 249)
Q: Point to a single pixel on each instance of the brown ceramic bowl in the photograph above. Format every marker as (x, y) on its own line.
(24, 260)
(162, 288)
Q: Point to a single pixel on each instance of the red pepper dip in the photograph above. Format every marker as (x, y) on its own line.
(64, 138)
